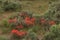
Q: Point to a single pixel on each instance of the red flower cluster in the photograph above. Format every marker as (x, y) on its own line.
(12, 20)
(33, 20)
(42, 20)
(20, 26)
(29, 21)
(52, 22)
(14, 31)
(19, 33)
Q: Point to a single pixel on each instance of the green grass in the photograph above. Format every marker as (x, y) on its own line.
(3, 38)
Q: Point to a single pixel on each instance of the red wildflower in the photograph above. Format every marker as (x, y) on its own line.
(19, 33)
(42, 20)
(52, 22)
(14, 31)
(14, 20)
(20, 26)
(33, 19)
(27, 20)
(22, 33)
(10, 20)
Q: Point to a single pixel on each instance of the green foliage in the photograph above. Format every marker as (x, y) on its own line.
(32, 35)
(1, 38)
(53, 13)
(0, 1)
(5, 30)
(54, 0)
(6, 5)
(27, 0)
(5, 23)
(11, 6)
(5, 26)
(36, 28)
(54, 33)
